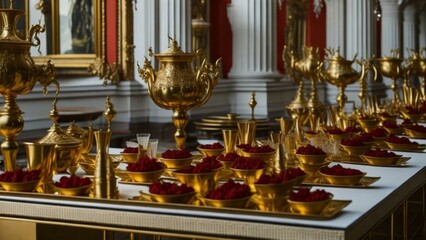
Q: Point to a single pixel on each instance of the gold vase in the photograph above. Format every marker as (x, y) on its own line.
(340, 73)
(104, 183)
(18, 75)
(175, 86)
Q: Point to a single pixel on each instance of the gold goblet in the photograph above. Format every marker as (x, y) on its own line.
(177, 87)
(41, 156)
(391, 67)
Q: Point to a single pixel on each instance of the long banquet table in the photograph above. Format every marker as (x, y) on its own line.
(369, 206)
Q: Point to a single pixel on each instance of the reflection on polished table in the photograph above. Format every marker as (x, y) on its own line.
(389, 198)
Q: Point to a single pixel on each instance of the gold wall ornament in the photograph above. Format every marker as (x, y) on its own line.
(340, 73)
(18, 75)
(175, 86)
(106, 72)
(391, 67)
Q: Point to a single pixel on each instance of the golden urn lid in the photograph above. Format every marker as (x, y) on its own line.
(173, 53)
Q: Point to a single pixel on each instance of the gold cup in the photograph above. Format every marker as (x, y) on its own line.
(246, 131)
(230, 138)
(41, 156)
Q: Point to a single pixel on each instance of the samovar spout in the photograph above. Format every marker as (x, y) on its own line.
(147, 73)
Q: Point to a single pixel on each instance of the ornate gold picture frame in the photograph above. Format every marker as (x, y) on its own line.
(75, 35)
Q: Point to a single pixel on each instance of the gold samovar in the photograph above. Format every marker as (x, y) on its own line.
(340, 73)
(18, 75)
(391, 67)
(175, 86)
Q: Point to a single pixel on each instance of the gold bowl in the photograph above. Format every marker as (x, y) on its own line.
(315, 207)
(129, 157)
(28, 186)
(312, 168)
(177, 163)
(173, 198)
(208, 152)
(274, 189)
(414, 117)
(395, 131)
(146, 176)
(311, 159)
(402, 146)
(201, 182)
(264, 156)
(271, 204)
(380, 160)
(355, 150)
(414, 134)
(249, 176)
(229, 203)
(342, 180)
(76, 191)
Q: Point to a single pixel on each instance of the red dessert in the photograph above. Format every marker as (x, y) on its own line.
(73, 181)
(208, 164)
(168, 188)
(20, 175)
(281, 177)
(339, 170)
(248, 163)
(390, 124)
(378, 132)
(230, 190)
(358, 140)
(145, 164)
(305, 195)
(382, 153)
(310, 150)
(399, 140)
(334, 130)
(259, 149)
(216, 145)
(417, 128)
(227, 157)
(244, 146)
(130, 150)
(176, 154)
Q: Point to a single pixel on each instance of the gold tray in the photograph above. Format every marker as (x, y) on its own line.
(334, 208)
(402, 161)
(365, 182)
(130, 181)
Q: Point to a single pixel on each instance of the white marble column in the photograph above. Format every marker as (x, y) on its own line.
(422, 28)
(409, 30)
(335, 20)
(390, 26)
(254, 40)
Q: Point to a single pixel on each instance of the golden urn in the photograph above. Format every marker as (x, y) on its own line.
(340, 73)
(18, 75)
(175, 86)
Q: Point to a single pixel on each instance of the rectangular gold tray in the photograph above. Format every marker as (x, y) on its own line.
(334, 208)
(358, 160)
(365, 182)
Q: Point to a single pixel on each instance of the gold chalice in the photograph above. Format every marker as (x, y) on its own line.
(391, 67)
(175, 86)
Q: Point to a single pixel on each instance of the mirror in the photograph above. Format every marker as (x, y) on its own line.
(75, 34)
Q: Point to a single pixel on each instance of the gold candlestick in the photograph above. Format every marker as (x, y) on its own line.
(177, 87)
